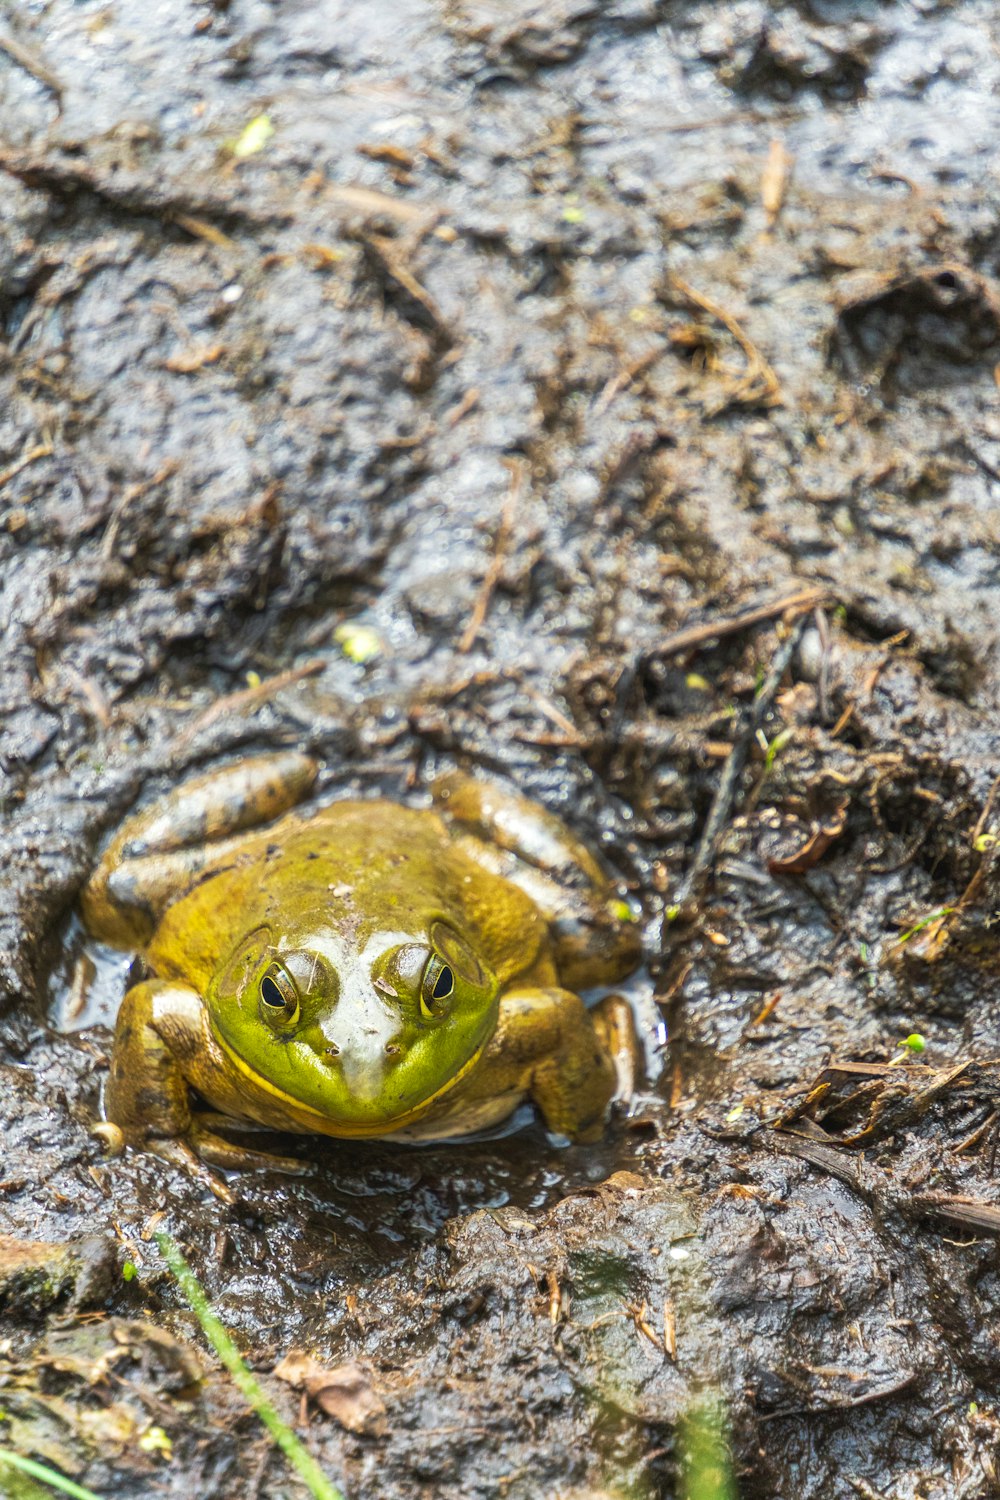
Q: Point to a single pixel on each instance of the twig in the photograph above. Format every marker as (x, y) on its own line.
(41, 450)
(760, 382)
(624, 379)
(774, 180)
(696, 635)
(669, 1330)
(26, 59)
(517, 470)
(250, 697)
(134, 492)
(729, 780)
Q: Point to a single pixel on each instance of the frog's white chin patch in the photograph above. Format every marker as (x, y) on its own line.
(361, 1024)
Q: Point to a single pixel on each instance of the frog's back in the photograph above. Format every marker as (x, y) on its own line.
(361, 867)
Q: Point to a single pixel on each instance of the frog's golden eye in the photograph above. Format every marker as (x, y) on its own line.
(436, 989)
(279, 1000)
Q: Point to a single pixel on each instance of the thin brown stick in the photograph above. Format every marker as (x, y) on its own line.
(132, 494)
(41, 450)
(758, 369)
(517, 469)
(33, 64)
(250, 697)
(696, 635)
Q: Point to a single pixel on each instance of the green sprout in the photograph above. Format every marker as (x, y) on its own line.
(776, 746)
(298, 1456)
(928, 921)
(42, 1472)
(914, 1043)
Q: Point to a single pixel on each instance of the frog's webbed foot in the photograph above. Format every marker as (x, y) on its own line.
(197, 829)
(181, 1154)
(176, 1153)
(199, 1152)
(595, 938)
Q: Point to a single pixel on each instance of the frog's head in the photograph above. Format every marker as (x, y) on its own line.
(362, 1029)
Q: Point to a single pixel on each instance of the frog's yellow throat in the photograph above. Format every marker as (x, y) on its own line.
(315, 1120)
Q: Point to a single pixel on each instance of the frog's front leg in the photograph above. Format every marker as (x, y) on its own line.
(163, 1041)
(164, 850)
(566, 1056)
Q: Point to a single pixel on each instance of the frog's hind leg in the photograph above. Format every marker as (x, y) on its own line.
(164, 850)
(595, 937)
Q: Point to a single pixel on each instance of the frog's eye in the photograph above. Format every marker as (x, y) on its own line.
(279, 1000)
(436, 989)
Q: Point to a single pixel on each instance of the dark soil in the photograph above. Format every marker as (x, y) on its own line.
(631, 371)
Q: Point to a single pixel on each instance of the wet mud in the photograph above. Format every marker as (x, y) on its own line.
(629, 374)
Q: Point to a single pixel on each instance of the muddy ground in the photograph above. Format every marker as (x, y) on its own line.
(630, 371)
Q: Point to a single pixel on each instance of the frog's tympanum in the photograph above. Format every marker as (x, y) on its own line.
(361, 969)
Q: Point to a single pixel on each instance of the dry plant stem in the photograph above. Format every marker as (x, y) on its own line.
(517, 469)
(758, 369)
(252, 696)
(791, 605)
(693, 882)
(33, 64)
(41, 450)
(971, 1213)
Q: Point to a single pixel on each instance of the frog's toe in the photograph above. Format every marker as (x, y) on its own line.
(229, 1157)
(180, 1154)
(615, 1026)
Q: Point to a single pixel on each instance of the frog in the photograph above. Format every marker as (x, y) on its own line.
(356, 968)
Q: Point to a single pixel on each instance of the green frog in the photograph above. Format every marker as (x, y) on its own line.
(359, 968)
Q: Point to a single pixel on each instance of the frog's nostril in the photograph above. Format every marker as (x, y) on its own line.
(392, 1049)
(333, 1050)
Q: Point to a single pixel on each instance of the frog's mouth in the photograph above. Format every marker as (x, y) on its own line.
(316, 1120)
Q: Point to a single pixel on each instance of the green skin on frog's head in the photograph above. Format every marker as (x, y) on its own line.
(363, 1027)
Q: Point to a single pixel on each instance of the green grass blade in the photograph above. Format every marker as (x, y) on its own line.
(46, 1475)
(298, 1456)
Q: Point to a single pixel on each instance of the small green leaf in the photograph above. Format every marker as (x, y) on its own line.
(914, 1042)
(253, 137)
(129, 1271)
(359, 643)
(155, 1440)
